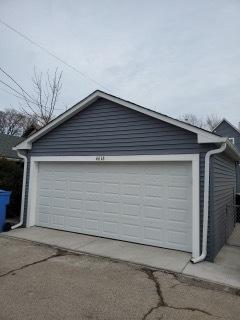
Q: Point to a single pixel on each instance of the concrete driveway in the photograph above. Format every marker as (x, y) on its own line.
(40, 282)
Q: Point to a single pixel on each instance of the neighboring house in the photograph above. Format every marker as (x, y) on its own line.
(7, 142)
(226, 129)
(110, 168)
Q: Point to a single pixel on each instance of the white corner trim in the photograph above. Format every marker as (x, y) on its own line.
(194, 158)
(203, 136)
(32, 194)
(196, 207)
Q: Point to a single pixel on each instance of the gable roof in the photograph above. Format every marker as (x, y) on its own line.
(203, 136)
(229, 123)
(7, 142)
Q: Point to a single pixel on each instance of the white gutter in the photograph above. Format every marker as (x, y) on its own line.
(23, 190)
(206, 202)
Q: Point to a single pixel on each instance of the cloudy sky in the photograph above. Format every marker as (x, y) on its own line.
(174, 56)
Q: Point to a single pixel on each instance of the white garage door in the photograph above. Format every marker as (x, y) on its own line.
(142, 202)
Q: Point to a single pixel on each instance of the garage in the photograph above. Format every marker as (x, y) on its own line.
(144, 202)
(108, 167)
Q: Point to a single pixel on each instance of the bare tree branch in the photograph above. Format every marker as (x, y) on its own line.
(212, 121)
(13, 122)
(42, 102)
(208, 123)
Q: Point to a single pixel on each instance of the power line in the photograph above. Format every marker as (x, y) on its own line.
(52, 54)
(10, 93)
(18, 94)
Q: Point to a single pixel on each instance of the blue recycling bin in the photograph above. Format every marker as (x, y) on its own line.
(4, 201)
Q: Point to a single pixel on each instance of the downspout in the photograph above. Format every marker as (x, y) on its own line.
(23, 190)
(206, 202)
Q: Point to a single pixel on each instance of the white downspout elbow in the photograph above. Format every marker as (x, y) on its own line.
(23, 191)
(206, 202)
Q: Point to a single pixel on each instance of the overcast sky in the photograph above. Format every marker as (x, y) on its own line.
(178, 56)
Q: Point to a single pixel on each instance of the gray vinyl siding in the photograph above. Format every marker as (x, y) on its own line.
(225, 130)
(238, 177)
(222, 194)
(106, 128)
(109, 129)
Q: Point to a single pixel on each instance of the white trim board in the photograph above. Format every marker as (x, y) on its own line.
(202, 135)
(194, 158)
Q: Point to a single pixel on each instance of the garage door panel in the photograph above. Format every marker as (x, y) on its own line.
(155, 234)
(153, 212)
(45, 209)
(180, 215)
(176, 237)
(131, 231)
(58, 203)
(57, 220)
(153, 190)
(92, 205)
(56, 211)
(111, 198)
(93, 187)
(131, 209)
(44, 219)
(45, 200)
(75, 185)
(178, 193)
(127, 199)
(110, 228)
(154, 202)
(111, 188)
(111, 207)
(75, 204)
(91, 225)
(74, 223)
(141, 202)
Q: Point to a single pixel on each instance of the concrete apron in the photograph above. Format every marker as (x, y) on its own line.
(224, 271)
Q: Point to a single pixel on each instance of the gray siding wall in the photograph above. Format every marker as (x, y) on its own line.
(222, 194)
(110, 129)
(238, 177)
(105, 128)
(225, 130)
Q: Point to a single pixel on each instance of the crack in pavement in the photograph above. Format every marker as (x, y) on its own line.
(163, 303)
(58, 253)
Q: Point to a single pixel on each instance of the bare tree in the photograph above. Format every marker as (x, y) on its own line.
(41, 103)
(192, 119)
(13, 122)
(212, 121)
(208, 123)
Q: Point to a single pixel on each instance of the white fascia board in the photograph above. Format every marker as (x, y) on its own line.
(103, 158)
(203, 136)
(209, 139)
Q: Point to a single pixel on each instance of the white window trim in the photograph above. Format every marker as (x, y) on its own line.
(232, 140)
(193, 158)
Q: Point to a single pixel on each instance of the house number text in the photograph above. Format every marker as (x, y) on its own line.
(100, 158)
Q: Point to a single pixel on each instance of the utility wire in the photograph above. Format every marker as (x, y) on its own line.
(52, 54)
(18, 94)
